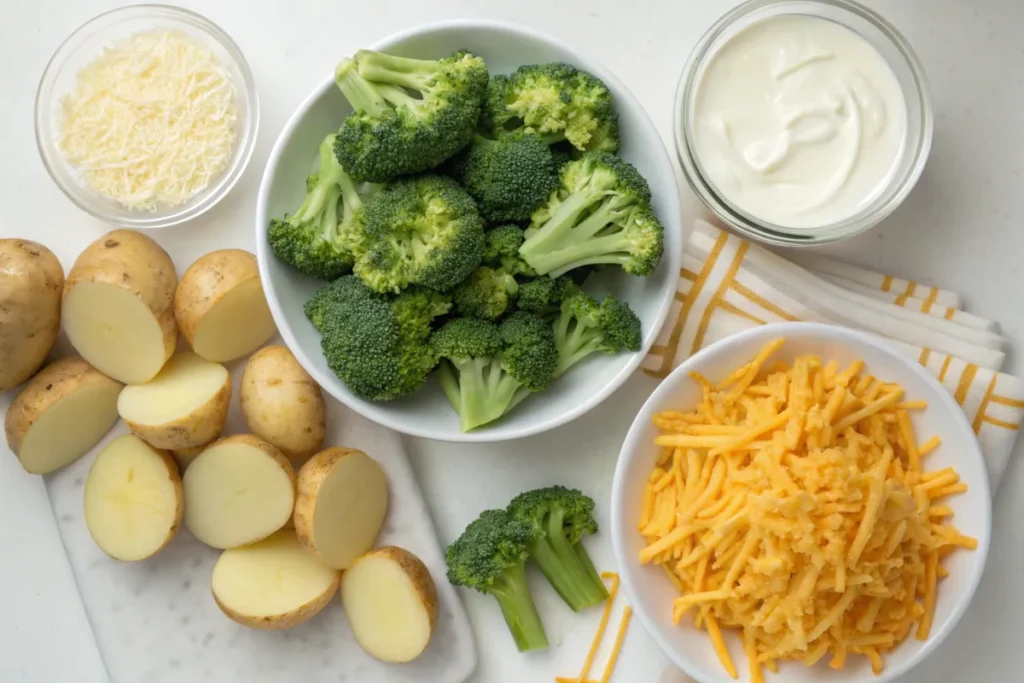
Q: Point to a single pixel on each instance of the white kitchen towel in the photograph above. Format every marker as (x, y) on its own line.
(728, 284)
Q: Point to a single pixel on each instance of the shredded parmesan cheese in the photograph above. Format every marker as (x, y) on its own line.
(791, 505)
(150, 122)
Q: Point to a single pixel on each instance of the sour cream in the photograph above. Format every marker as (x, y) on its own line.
(799, 121)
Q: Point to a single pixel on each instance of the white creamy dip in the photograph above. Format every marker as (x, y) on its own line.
(799, 121)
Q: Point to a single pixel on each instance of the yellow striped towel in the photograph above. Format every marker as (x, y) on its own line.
(728, 284)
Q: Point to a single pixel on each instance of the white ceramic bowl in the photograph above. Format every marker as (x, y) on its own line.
(651, 593)
(427, 413)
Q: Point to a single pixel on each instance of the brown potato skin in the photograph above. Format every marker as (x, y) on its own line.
(283, 621)
(417, 572)
(134, 262)
(187, 432)
(31, 282)
(295, 423)
(53, 382)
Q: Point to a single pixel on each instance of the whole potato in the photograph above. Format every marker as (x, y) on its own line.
(31, 280)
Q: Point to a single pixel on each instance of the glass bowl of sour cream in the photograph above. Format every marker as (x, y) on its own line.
(802, 122)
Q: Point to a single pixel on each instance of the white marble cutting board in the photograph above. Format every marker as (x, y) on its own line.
(155, 621)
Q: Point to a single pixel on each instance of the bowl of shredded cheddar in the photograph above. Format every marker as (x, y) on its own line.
(800, 502)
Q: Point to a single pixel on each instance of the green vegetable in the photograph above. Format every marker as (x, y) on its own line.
(599, 215)
(544, 295)
(377, 345)
(555, 100)
(509, 177)
(409, 115)
(487, 293)
(559, 517)
(490, 557)
(315, 239)
(585, 326)
(423, 230)
(501, 250)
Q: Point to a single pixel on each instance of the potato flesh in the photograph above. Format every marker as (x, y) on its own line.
(236, 325)
(70, 427)
(114, 331)
(271, 578)
(350, 508)
(386, 611)
(236, 494)
(183, 386)
(131, 500)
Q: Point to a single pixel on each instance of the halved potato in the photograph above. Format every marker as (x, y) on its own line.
(60, 414)
(133, 499)
(341, 505)
(184, 406)
(220, 306)
(272, 584)
(239, 490)
(391, 602)
(185, 456)
(117, 308)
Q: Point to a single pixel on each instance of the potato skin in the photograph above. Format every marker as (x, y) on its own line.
(31, 281)
(201, 427)
(55, 381)
(132, 261)
(281, 622)
(417, 572)
(281, 403)
(311, 475)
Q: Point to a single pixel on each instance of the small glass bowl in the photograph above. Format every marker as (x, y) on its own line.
(900, 57)
(82, 47)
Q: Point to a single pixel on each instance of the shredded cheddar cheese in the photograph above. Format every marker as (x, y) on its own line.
(151, 121)
(791, 505)
(613, 655)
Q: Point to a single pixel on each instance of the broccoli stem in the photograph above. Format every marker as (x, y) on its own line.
(576, 582)
(329, 176)
(595, 250)
(558, 225)
(574, 344)
(359, 92)
(404, 71)
(481, 392)
(513, 595)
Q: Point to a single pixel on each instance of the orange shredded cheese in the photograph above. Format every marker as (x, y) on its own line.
(791, 506)
(602, 627)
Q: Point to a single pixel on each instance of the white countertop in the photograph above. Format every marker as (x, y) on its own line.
(962, 228)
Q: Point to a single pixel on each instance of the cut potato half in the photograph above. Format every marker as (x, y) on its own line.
(117, 307)
(341, 504)
(60, 414)
(391, 602)
(185, 456)
(133, 499)
(220, 306)
(272, 584)
(184, 406)
(239, 490)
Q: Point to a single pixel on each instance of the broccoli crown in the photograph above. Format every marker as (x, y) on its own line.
(599, 215)
(486, 293)
(314, 239)
(423, 230)
(464, 338)
(575, 510)
(510, 177)
(586, 326)
(544, 295)
(375, 344)
(555, 100)
(530, 354)
(409, 115)
(501, 250)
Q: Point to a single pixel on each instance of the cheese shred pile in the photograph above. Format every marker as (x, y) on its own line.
(792, 506)
(150, 122)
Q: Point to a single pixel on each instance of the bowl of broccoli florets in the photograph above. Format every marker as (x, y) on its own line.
(470, 232)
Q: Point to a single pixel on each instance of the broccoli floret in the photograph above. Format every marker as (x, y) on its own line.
(409, 114)
(486, 294)
(315, 239)
(501, 250)
(423, 230)
(528, 345)
(559, 517)
(490, 557)
(599, 215)
(509, 177)
(585, 326)
(544, 295)
(376, 344)
(555, 100)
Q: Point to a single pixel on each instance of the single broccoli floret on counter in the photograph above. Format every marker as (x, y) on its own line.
(544, 295)
(315, 238)
(599, 215)
(490, 557)
(423, 230)
(486, 294)
(410, 115)
(501, 250)
(556, 101)
(559, 517)
(374, 343)
(585, 326)
(509, 177)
